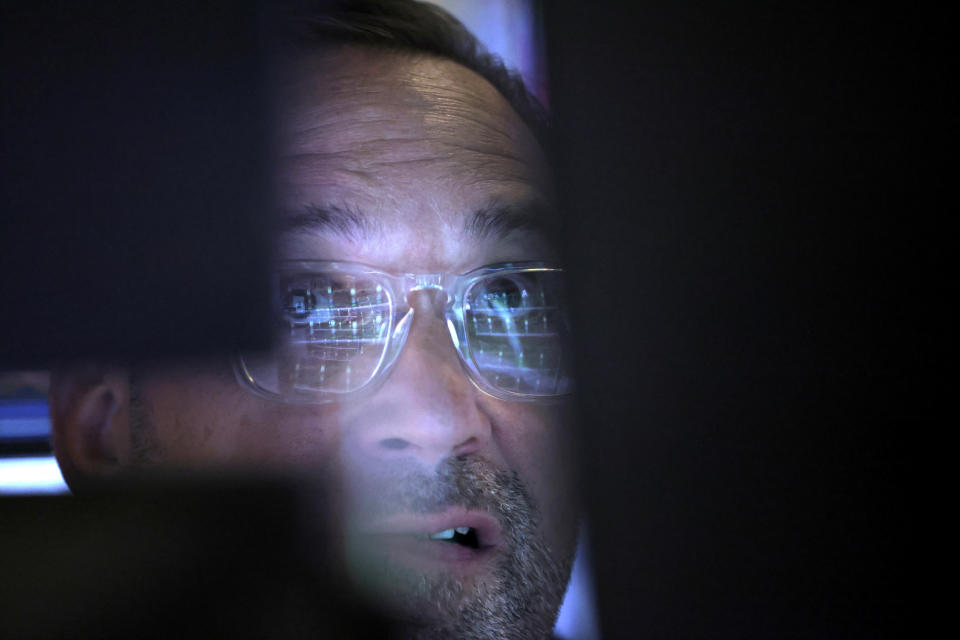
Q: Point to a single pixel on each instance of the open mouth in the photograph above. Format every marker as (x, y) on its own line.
(453, 540)
(463, 536)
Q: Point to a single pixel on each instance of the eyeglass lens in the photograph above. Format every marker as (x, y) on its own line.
(334, 332)
(514, 326)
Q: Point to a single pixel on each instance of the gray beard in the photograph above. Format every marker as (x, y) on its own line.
(521, 598)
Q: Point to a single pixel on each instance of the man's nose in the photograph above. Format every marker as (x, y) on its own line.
(427, 408)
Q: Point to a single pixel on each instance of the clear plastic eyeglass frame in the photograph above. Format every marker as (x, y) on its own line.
(342, 326)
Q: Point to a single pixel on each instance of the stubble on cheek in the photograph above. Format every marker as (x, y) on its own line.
(144, 441)
(208, 422)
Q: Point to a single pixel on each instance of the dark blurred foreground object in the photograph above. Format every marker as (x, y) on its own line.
(223, 558)
(133, 156)
(756, 194)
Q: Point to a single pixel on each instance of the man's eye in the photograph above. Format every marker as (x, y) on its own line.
(299, 302)
(507, 293)
(311, 299)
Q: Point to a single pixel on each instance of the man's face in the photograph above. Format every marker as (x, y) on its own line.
(411, 165)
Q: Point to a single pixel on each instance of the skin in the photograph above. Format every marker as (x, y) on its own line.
(414, 147)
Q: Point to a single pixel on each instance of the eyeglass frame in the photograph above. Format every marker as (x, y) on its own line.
(454, 286)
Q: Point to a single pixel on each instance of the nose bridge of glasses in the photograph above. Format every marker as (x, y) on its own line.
(432, 295)
(436, 283)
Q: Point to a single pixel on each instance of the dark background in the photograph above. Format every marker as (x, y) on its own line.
(133, 156)
(755, 194)
(755, 199)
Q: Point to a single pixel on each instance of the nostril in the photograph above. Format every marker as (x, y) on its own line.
(467, 447)
(394, 444)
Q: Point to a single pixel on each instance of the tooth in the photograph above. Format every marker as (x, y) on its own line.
(462, 530)
(443, 535)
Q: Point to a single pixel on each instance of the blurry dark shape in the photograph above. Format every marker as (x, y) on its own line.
(753, 194)
(230, 557)
(132, 179)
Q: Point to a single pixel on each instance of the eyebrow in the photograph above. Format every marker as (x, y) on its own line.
(499, 220)
(344, 221)
(496, 220)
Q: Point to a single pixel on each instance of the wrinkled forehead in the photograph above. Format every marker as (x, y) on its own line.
(406, 140)
(375, 108)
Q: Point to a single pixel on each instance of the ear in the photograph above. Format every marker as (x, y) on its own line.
(89, 422)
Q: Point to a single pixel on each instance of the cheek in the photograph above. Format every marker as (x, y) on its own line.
(536, 442)
(205, 418)
(286, 437)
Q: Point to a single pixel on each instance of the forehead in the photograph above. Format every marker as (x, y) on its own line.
(407, 159)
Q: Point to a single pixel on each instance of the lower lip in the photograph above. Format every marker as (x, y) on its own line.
(424, 552)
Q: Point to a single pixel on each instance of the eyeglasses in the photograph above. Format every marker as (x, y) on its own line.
(340, 327)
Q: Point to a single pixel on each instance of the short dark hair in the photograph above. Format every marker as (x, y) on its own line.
(412, 27)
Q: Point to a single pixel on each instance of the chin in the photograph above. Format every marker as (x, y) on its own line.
(462, 552)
